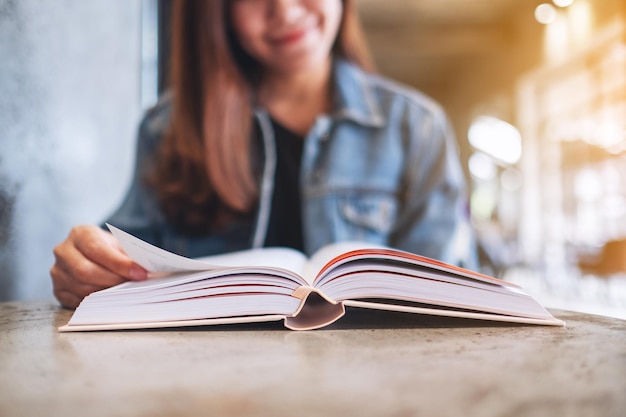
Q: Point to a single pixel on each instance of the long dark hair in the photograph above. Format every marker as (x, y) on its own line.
(205, 169)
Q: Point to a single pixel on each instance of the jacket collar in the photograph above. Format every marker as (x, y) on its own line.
(355, 98)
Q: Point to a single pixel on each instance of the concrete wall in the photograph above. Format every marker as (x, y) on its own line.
(69, 108)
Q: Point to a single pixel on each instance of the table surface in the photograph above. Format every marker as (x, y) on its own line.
(367, 364)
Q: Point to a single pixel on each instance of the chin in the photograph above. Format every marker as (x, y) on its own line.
(301, 63)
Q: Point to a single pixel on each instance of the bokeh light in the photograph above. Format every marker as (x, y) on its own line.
(545, 13)
(496, 138)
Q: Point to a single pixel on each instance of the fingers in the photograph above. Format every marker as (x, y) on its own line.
(89, 260)
(70, 293)
(72, 265)
(67, 290)
(101, 248)
(67, 299)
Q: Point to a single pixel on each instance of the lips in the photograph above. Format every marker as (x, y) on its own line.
(291, 36)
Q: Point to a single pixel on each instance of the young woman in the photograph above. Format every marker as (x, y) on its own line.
(276, 133)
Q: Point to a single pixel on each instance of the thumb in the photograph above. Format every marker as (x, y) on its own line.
(119, 262)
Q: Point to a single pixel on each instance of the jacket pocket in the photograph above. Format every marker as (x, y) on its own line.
(369, 216)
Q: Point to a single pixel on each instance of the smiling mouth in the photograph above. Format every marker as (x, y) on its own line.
(291, 36)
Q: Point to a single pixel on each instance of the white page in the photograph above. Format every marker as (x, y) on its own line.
(283, 258)
(160, 262)
(329, 252)
(154, 259)
(187, 309)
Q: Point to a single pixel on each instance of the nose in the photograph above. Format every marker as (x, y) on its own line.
(285, 10)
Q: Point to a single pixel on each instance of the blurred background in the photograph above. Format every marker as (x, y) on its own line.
(536, 91)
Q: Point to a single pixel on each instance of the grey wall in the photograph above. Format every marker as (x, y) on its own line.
(70, 104)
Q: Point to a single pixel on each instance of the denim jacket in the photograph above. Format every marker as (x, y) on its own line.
(381, 168)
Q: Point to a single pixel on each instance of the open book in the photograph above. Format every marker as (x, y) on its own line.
(282, 284)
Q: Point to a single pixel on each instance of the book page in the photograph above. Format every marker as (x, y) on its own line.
(159, 262)
(327, 253)
(155, 260)
(389, 274)
(282, 258)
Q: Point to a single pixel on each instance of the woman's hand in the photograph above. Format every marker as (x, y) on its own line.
(90, 259)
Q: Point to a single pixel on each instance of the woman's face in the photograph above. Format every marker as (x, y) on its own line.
(287, 36)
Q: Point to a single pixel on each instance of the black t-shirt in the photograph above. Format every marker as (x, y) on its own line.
(285, 223)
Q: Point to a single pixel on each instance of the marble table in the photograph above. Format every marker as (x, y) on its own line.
(367, 364)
